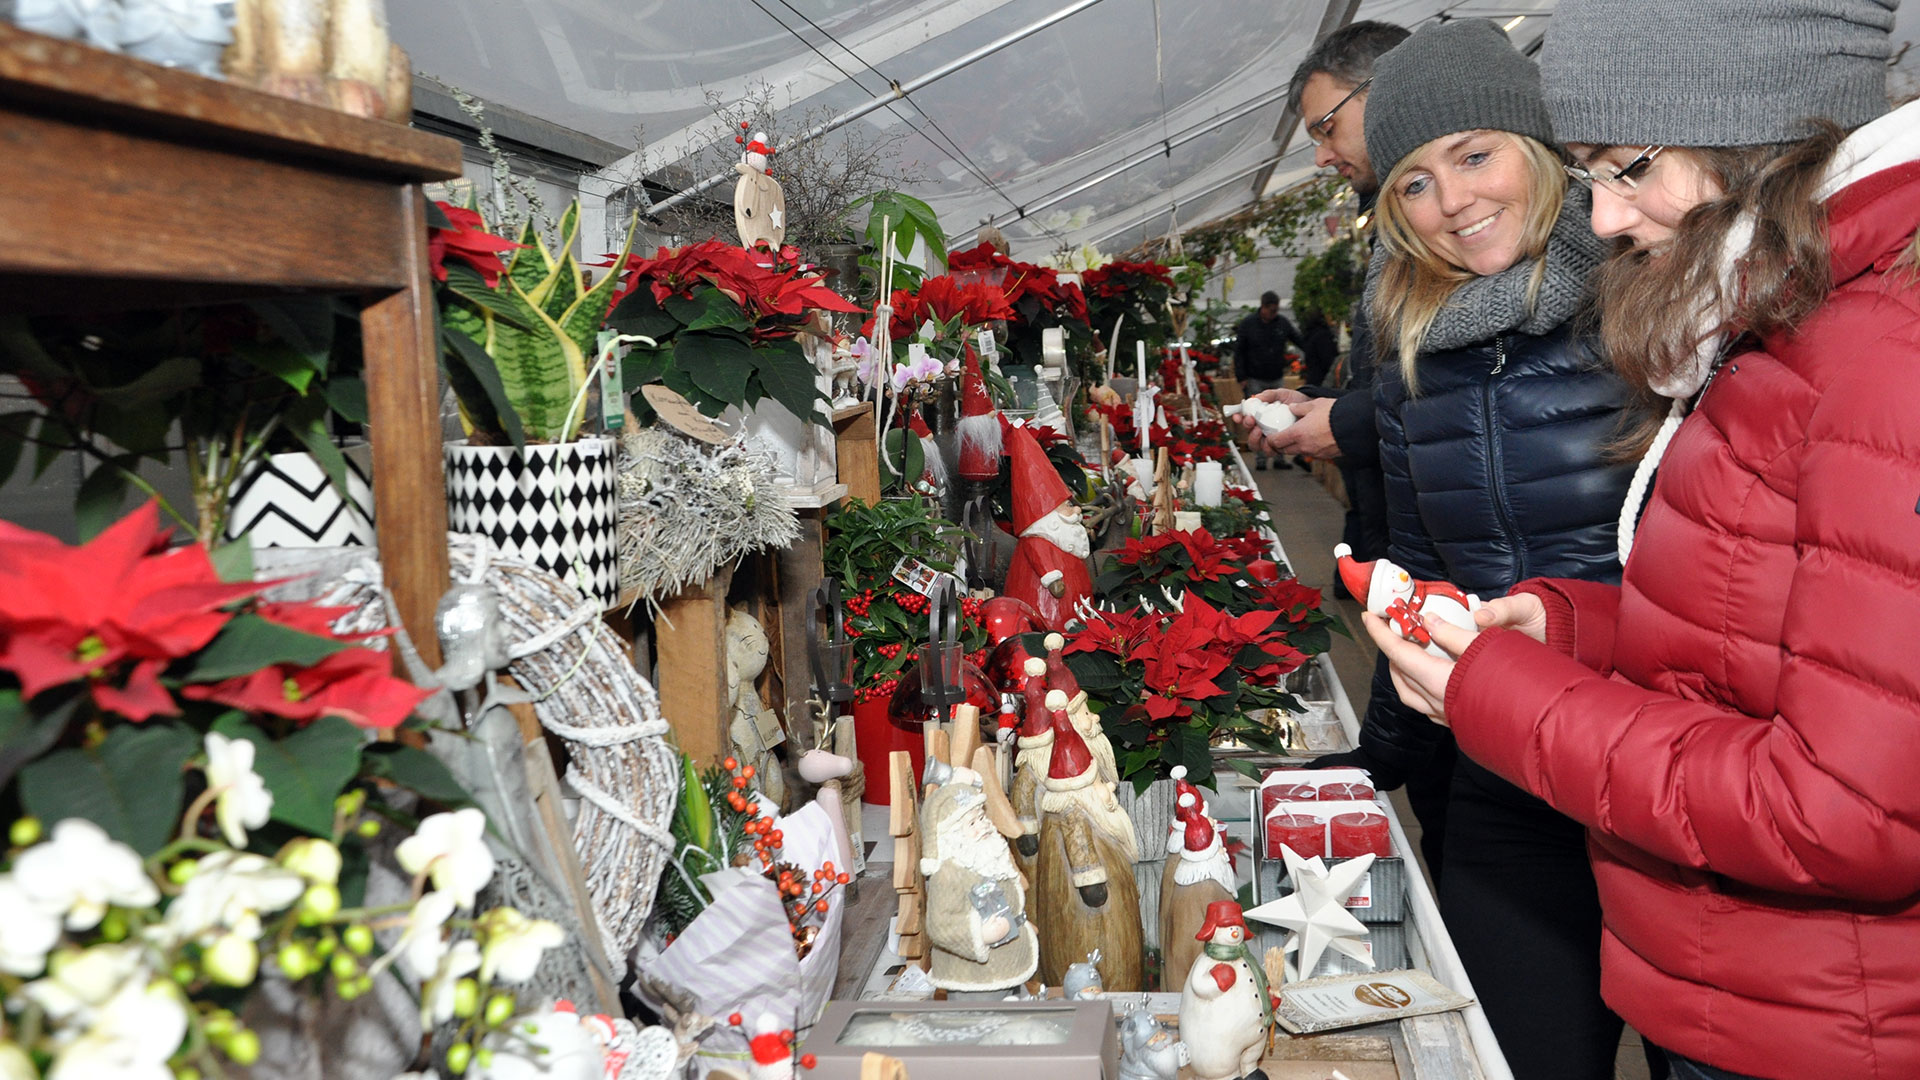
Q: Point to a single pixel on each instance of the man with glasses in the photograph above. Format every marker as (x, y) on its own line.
(1329, 90)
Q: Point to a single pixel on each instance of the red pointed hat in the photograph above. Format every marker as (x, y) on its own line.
(1059, 676)
(1199, 831)
(1071, 759)
(1037, 487)
(981, 442)
(1181, 788)
(1220, 913)
(769, 1048)
(918, 425)
(1034, 689)
(973, 387)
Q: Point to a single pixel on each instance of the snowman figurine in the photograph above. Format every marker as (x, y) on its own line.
(1408, 605)
(1224, 1006)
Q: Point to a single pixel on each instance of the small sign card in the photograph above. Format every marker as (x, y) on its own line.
(1332, 1002)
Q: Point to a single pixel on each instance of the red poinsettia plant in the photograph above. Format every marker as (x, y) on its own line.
(1187, 441)
(951, 305)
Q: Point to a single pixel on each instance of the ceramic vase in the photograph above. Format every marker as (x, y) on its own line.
(551, 505)
(286, 501)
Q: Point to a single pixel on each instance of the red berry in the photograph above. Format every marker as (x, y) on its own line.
(730, 764)
(734, 1019)
(807, 1061)
(747, 772)
(843, 879)
(821, 907)
(740, 782)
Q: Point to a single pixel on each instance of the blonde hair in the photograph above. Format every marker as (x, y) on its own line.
(1416, 283)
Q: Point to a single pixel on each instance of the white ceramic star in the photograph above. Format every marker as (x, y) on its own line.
(779, 218)
(1316, 911)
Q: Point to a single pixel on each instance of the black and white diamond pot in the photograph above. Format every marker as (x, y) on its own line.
(286, 501)
(552, 505)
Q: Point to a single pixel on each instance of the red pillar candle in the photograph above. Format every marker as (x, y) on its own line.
(1344, 792)
(1305, 835)
(1275, 794)
(1359, 833)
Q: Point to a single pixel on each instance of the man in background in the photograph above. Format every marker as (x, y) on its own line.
(1260, 354)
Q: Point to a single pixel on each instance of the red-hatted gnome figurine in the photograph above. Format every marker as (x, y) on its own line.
(1198, 873)
(1224, 1006)
(1049, 567)
(1087, 895)
(772, 1049)
(1405, 603)
(933, 475)
(980, 429)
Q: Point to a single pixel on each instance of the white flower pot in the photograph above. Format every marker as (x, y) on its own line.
(286, 501)
(551, 505)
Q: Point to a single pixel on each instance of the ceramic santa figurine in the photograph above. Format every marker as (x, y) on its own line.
(1196, 876)
(1225, 1009)
(979, 429)
(1086, 896)
(1406, 604)
(1060, 678)
(976, 915)
(1049, 568)
(1176, 831)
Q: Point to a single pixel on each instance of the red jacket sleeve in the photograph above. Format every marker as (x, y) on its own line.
(1580, 618)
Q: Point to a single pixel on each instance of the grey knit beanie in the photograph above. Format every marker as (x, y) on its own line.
(1448, 77)
(1713, 72)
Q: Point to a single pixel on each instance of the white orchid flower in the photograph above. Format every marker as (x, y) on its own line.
(80, 872)
(83, 982)
(312, 858)
(27, 932)
(131, 1037)
(243, 801)
(420, 948)
(16, 1065)
(451, 849)
(515, 944)
(228, 893)
(436, 998)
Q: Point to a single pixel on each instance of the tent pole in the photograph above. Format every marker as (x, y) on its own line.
(899, 91)
(1158, 149)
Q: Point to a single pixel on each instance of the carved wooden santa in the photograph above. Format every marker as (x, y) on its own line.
(1196, 876)
(1049, 568)
(1224, 1005)
(1034, 747)
(1060, 679)
(1087, 898)
(1393, 595)
(976, 918)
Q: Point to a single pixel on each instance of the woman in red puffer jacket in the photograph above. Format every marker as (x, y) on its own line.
(1738, 723)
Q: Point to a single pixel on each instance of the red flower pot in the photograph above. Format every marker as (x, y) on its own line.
(875, 737)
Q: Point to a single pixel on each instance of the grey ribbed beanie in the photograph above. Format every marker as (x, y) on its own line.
(1713, 72)
(1448, 77)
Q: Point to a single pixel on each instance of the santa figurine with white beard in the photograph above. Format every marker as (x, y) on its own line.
(1061, 680)
(1049, 568)
(976, 917)
(1085, 895)
(1197, 873)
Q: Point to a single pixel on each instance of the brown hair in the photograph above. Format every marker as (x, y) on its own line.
(1415, 284)
(1649, 303)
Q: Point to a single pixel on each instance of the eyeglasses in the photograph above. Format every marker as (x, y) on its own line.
(1322, 128)
(1624, 181)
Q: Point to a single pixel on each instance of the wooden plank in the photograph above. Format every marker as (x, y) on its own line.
(904, 791)
(913, 914)
(1440, 1047)
(863, 932)
(857, 449)
(95, 87)
(912, 946)
(939, 746)
(906, 863)
(966, 734)
(158, 210)
(403, 416)
(690, 647)
(790, 624)
(999, 808)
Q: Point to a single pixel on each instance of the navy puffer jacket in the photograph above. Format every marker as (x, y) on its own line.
(1496, 472)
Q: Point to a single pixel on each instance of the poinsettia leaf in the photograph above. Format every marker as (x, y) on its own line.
(436, 217)
(233, 560)
(1098, 672)
(97, 504)
(639, 313)
(788, 378)
(1194, 751)
(248, 643)
(717, 364)
(348, 396)
(28, 730)
(14, 427)
(306, 770)
(304, 323)
(416, 770)
(130, 785)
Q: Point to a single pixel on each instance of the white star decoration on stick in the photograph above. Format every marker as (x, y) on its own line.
(1316, 912)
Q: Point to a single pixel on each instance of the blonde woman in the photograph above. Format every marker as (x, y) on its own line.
(1495, 417)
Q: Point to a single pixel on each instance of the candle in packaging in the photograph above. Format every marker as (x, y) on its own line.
(1307, 836)
(1209, 483)
(1359, 834)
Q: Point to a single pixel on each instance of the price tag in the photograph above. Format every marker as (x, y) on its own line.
(983, 341)
(917, 575)
(613, 394)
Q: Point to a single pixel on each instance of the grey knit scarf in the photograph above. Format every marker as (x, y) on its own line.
(1497, 303)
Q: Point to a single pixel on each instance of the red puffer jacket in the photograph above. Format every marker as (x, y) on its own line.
(1738, 724)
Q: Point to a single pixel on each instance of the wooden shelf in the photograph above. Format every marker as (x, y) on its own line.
(127, 185)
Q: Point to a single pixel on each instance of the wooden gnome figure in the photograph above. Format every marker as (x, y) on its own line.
(755, 730)
(1176, 832)
(976, 915)
(1225, 1009)
(1087, 898)
(1196, 876)
(1049, 568)
(980, 433)
(759, 206)
(1033, 744)
(1061, 678)
(1393, 595)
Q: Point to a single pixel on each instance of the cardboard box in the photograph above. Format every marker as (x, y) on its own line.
(966, 1040)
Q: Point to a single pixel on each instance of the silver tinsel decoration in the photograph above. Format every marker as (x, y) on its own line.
(687, 509)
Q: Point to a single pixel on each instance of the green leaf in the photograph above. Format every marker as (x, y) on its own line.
(707, 309)
(97, 504)
(477, 383)
(28, 730)
(416, 770)
(305, 770)
(539, 374)
(638, 313)
(717, 364)
(788, 378)
(436, 217)
(233, 560)
(304, 323)
(248, 643)
(45, 451)
(307, 419)
(348, 396)
(14, 428)
(280, 361)
(130, 785)
(465, 282)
